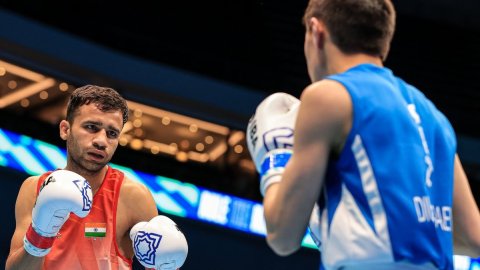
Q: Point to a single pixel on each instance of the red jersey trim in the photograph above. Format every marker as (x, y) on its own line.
(117, 195)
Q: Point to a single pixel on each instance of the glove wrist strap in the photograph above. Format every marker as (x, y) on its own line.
(275, 159)
(272, 168)
(36, 244)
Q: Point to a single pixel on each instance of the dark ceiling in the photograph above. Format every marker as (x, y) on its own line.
(259, 43)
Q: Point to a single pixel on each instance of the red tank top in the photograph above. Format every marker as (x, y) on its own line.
(82, 243)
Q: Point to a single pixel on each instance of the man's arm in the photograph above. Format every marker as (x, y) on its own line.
(466, 216)
(18, 258)
(171, 249)
(323, 121)
(39, 218)
(139, 204)
(145, 210)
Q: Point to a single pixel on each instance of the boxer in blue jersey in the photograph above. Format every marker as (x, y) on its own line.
(372, 170)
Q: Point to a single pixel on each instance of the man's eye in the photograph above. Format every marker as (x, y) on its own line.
(112, 134)
(91, 127)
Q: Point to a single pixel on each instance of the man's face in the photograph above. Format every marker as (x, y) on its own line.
(92, 138)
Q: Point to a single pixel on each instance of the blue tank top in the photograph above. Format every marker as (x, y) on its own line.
(388, 195)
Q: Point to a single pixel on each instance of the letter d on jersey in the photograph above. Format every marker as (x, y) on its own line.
(440, 216)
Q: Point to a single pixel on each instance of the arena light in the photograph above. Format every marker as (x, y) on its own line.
(26, 87)
(188, 121)
(21, 72)
(25, 92)
(160, 129)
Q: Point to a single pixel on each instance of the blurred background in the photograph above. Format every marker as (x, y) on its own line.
(193, 73)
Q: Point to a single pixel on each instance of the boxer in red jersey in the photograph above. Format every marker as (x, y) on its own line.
(81, 217)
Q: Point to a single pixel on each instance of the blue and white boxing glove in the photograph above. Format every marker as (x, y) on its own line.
(270, 142)
(159, 243)
(62, 192)
(270, 136)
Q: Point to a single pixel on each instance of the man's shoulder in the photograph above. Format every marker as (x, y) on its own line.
(326, 94)
(29, 186)
(31, 181)
(33, 178)
(323, 89)
(137, 200)
(325, 84)
(132, 190)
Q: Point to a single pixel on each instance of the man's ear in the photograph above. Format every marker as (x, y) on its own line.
(318, 32)
(64, 129)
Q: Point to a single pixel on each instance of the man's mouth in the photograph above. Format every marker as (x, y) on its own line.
(97, 156)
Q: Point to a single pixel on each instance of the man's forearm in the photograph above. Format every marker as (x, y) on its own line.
(20, 259)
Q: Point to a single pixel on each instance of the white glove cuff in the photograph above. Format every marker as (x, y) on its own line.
(268, 180)
(273, 167)
(33, 250)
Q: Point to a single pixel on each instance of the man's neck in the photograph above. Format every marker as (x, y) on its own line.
(95, 179)
(339, 62)
(345, 62)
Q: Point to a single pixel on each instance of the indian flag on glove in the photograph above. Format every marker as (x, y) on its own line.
(95, 229)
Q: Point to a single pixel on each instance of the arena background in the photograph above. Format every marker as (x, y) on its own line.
(206, 65)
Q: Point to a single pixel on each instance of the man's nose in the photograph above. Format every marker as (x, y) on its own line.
(100, 139)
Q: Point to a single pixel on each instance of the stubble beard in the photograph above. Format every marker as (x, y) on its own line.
(80, 163)
(87, 166)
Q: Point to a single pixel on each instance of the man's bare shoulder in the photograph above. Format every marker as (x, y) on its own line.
(324, 89)
(327, 97)
(32, 179)
(29, 185)
(137, 199)
(26, 196)
(332, 101)
(131, 189)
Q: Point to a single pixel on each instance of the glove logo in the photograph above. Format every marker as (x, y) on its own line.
(145, 246)
(278, 138)
(252, 131)
(83, 188)
(49, 180)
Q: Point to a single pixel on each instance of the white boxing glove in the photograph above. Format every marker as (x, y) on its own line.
(159, 243)
(270, 136)
(62, 192)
